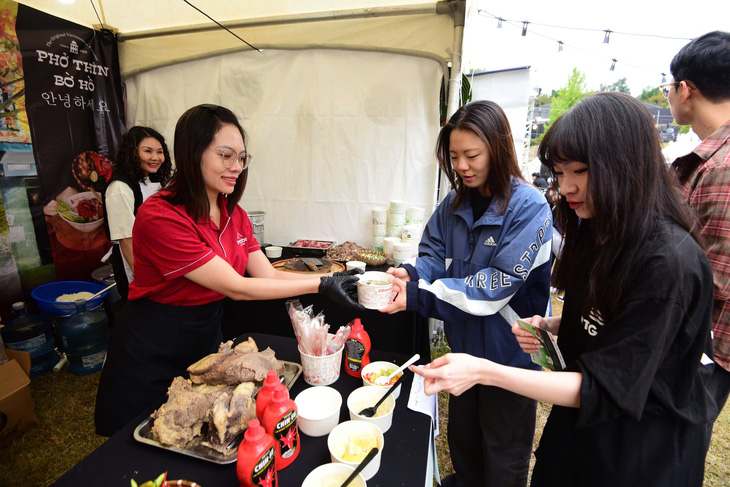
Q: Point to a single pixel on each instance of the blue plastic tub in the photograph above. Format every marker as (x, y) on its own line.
(46, 294)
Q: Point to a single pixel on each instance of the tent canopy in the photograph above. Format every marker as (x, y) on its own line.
(340, 104)
(162, 32)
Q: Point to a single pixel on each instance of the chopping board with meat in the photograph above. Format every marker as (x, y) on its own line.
(308, 265)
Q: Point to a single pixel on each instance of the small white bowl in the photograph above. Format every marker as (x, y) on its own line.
(355, 264)
(343, 435)
(273, 252)
(332, 474)
(319, 410)
(377, 367)
(363, 397)
(374, 296)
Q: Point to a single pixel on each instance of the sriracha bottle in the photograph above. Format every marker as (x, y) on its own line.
(357, 349)
(264, 396)
(256, 465)
(280, 421)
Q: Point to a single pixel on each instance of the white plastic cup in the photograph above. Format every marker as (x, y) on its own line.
(355, 264)
(340, 435)
(321, 371)
(402, 252)
(273, 252)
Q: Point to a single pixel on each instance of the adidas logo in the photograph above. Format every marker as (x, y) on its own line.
(490, 242)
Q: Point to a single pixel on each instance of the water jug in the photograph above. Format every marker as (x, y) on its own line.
(32, 334)
(85, 336)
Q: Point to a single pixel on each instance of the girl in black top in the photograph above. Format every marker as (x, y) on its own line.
(631, 408)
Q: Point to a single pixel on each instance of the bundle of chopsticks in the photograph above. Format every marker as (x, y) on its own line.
(312, 332)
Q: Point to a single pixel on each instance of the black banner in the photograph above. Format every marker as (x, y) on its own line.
(75, 111)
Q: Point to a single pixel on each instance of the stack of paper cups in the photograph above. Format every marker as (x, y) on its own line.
(380, 226)
(396, 218)
(389, 248)
(401, 253)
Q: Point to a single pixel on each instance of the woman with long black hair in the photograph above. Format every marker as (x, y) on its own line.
(631, 408)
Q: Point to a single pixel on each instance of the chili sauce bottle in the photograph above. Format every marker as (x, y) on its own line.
(264, 396)
(357, 349)
(256, 464)
(281, 421)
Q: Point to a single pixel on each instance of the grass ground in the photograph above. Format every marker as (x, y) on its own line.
(64, 434)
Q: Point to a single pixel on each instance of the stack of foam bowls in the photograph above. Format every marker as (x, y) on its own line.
(380, 226)
(349, 437)
(396, 218)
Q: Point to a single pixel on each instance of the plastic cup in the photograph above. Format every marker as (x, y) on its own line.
(321, 371)
(355, 264)
(273, 252)
(372, 294)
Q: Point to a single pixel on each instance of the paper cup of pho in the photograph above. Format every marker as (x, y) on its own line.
(374, 290)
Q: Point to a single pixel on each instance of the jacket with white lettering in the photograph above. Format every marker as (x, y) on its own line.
(479, 277)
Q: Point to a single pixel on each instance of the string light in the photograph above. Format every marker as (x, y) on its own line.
(613, 64)
(499, 22)
(524, 28)
(560, 46)
(607, 37)
(664, 78)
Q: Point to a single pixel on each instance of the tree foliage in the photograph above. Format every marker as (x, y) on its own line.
(570, 94)
(620, 85)
(653, 96)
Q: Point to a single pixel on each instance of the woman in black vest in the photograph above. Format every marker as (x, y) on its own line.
(141, 167)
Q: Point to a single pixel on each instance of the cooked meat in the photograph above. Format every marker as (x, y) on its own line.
(234, 367)
(345, 251)
(187, 408)
(230, 416)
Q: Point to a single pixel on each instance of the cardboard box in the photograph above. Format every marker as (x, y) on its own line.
(17, 412)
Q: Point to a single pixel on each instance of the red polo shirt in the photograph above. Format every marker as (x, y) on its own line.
(168, 244)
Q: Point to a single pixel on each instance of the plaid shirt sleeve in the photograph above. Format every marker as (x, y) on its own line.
(709, 195)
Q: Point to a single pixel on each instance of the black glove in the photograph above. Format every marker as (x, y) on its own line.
(351, 272)
(341, 289)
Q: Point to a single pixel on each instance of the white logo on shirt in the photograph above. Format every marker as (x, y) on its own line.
(593, 323)
(241, 239)
(490, 242)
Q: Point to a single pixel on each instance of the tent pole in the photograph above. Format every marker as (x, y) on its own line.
(454, 86)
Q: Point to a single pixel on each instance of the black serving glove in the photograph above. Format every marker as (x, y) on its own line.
(341, 289)
(351, 272)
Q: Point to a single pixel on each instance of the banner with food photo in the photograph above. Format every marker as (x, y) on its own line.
(14, 130)
(75, 111)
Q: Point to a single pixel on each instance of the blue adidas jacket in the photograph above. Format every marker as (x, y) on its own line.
(479, 277)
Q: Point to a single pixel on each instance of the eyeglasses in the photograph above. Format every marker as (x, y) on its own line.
(664, 88)
(230, 157)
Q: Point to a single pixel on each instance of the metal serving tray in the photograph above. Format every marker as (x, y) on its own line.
(195, 447)
(311, 251)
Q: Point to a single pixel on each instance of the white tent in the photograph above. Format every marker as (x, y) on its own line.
(340, 101)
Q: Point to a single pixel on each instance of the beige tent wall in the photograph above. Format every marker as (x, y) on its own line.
(333, 133)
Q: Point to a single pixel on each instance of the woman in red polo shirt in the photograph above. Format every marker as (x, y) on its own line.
(192, 246)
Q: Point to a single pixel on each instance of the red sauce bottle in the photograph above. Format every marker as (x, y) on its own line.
(256, 465)
(357, 349)
(281, 421)
(264, 395)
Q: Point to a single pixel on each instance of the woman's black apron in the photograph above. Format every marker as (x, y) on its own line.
(151, 344)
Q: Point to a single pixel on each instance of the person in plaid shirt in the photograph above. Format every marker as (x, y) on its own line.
(699, 96)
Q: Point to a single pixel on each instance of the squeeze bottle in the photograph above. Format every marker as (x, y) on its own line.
(264, 396)
(256, 464)
(281, 421)
(357, 349)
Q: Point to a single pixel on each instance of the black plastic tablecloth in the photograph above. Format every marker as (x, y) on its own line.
(403, 463)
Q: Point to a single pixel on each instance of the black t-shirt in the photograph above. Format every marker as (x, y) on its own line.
(642, 396)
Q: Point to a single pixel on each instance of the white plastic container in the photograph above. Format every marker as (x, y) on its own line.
(342, 436)
(374, 289)
(363, 397)
(376, 367)
(332, 474)
(273, 251)
(319, 410)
